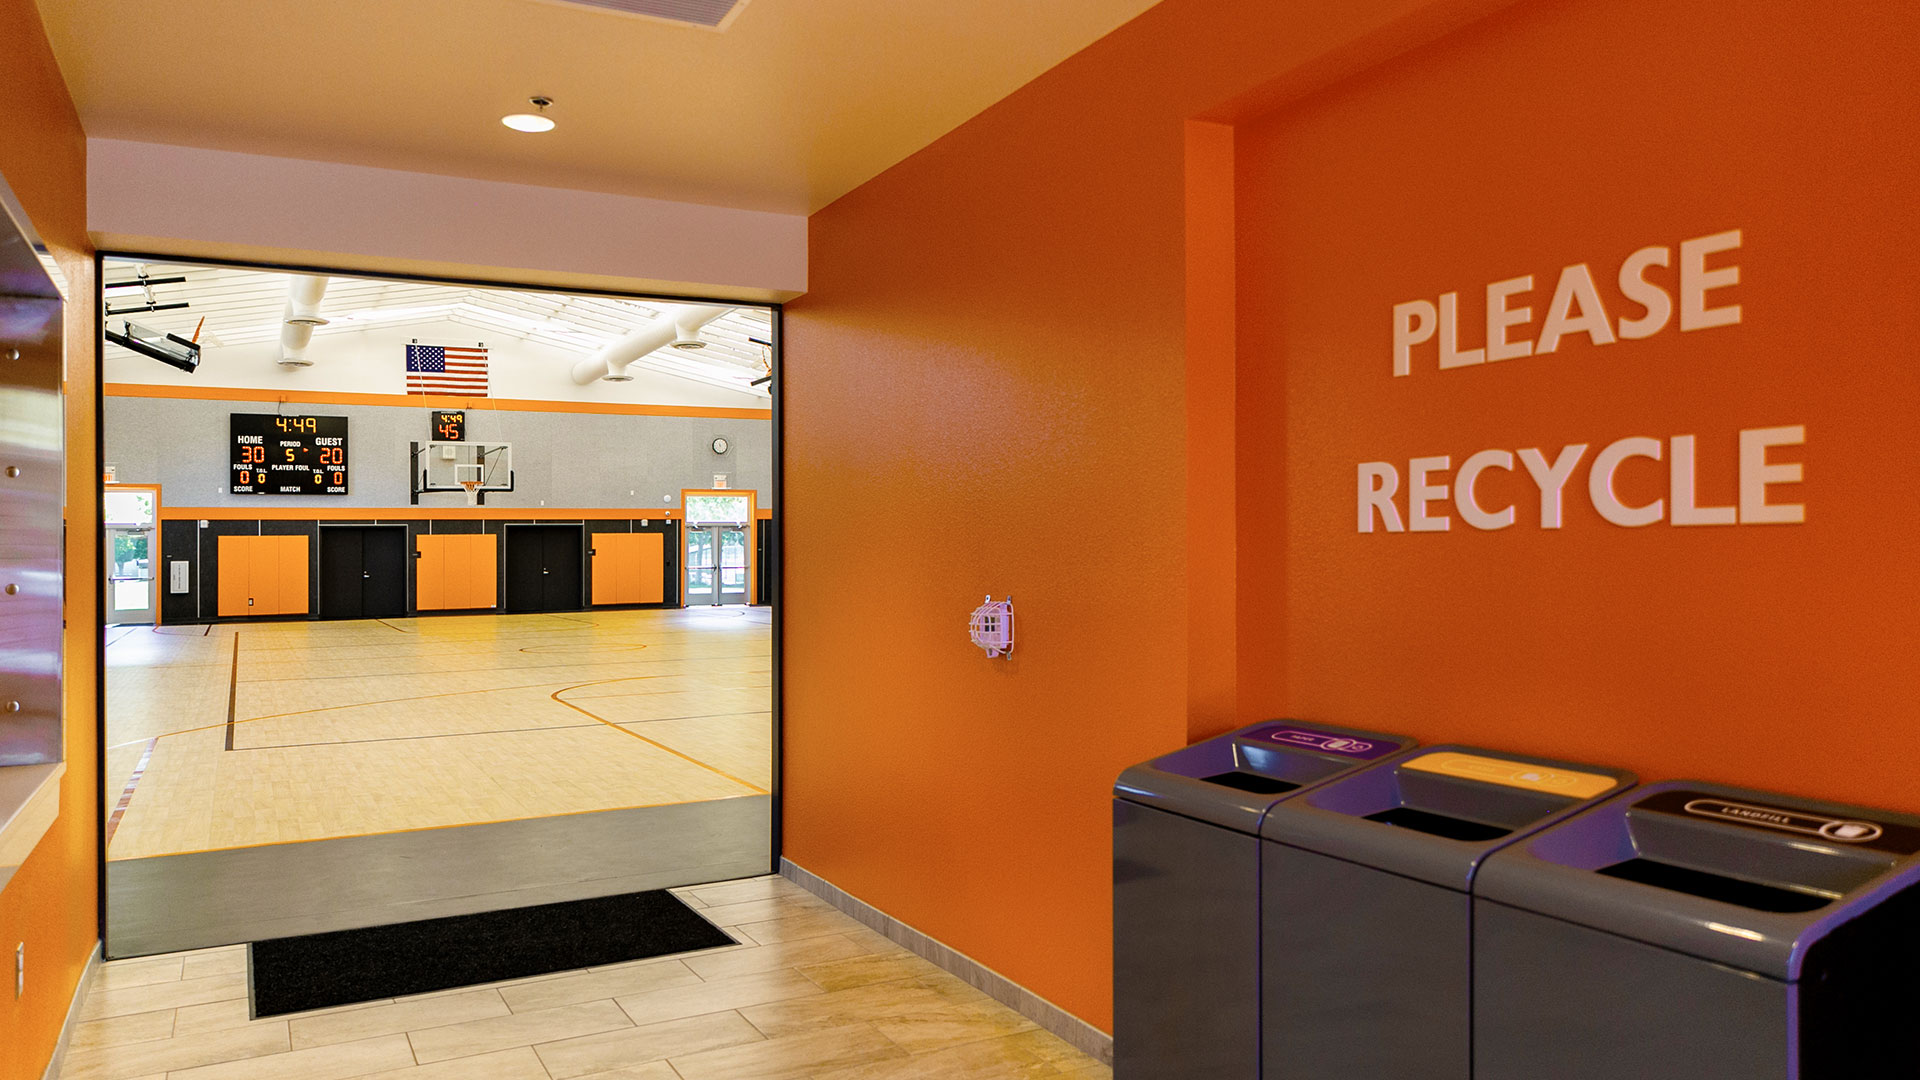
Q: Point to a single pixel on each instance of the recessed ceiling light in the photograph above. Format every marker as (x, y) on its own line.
(533, 121)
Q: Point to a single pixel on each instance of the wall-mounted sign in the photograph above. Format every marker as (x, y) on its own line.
(1436, 491)
(288, 455)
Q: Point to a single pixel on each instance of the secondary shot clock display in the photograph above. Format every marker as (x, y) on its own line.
(449, 426)
(289, 455)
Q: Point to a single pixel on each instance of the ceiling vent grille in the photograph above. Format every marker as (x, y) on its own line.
(714, 14)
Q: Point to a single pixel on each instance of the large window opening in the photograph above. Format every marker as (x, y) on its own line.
(465, 582)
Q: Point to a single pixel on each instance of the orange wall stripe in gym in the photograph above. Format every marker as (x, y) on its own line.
(426, 401)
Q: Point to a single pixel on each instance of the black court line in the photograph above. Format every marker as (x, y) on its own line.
(233, 688)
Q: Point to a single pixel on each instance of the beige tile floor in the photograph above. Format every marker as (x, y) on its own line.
(808, 993)
(368, 726)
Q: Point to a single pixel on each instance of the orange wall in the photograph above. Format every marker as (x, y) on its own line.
(50, 904)
(986, 392)
(1778, 656)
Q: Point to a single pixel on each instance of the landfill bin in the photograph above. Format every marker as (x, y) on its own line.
(1689, 931)
(1367, 922)
(1186, 892)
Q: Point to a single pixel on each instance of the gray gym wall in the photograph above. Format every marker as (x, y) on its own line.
(565, 459)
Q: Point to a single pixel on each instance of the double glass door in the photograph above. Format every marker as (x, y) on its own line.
(716, 564)
(131, 555)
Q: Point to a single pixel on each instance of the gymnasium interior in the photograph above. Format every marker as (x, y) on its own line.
(841, 540)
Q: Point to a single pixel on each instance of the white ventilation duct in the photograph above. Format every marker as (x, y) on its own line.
(304, 293)
(679, 328)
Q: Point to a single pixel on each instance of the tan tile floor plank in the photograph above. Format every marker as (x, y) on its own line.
(121, 1030)
(237, 1012)
(755, 911)
(166, 995)
(920, 1014)
(224, 962)
(1033, 1055)
(519, 1063)
(610, 982)
(806, 924)
(790, 1058)
(716, 996)
(516, 1029)
(142, 973)
(871, 968)
(653, 1070)
(337, 1062)
(739, 892)
(650, 1042)
(397, 1018)
(748, 959)
(179, 1052)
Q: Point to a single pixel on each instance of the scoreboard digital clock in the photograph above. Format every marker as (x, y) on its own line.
(289, 455)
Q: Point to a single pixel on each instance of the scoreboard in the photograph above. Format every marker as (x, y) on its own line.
(289, 455)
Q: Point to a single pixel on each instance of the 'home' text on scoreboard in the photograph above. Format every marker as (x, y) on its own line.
(289, 455)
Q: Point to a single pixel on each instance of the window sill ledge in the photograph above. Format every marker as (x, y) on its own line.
(29, 803)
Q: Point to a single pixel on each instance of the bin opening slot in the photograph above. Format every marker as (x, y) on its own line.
(1426, 821)
(1727, 890)
(1254, 782)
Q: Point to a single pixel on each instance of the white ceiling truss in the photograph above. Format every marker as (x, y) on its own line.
(245, 307)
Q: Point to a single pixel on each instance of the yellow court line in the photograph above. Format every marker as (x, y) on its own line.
(662, 746)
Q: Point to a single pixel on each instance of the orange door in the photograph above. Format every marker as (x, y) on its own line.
(610, 556)
(430, 573)
(483, 571)
(294, 551)
(231, 598)
(263, 574)
(647, 569)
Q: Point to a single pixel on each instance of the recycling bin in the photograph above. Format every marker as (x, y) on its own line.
(1689, 931)
(1367, 920)
(1186, 892)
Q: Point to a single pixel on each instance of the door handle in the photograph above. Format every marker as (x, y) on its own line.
(364, 576)
(543, 569)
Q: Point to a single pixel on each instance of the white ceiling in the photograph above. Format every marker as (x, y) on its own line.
(791, 105)
(245, 307)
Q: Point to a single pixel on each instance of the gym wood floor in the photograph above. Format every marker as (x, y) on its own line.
(240, 735)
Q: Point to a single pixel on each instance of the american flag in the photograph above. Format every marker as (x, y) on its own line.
(446, 369)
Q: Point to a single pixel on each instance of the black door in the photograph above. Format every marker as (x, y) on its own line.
(384, 573)
(342, 570)
(363, 572)
(545, 567)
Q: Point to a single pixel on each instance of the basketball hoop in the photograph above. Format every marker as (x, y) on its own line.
(473, 491)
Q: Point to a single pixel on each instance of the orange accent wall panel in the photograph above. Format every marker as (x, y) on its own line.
(628, 568)
(609, 556)
(263, 574)
(482, 585)
(235, 560)
(294, 575)
(430, 573)
(649, 566)
(1732, 600)
(457, 572)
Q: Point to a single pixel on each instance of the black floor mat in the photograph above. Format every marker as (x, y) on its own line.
(319, 971)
